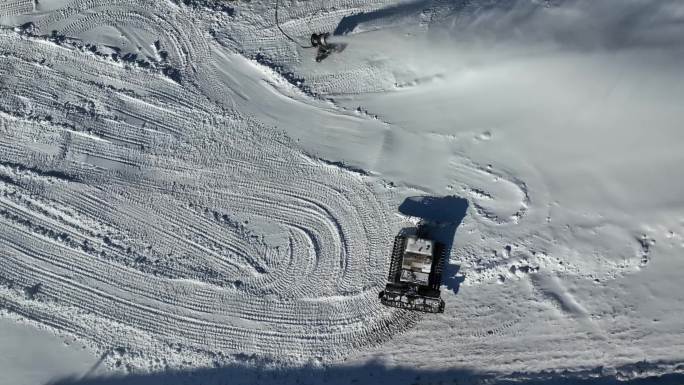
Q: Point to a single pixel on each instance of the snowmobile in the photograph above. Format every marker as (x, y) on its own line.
(415, 274)
(325, 48)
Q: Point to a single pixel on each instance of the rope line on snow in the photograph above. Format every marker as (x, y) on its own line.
(283, 32)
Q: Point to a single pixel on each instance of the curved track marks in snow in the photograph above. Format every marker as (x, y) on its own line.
(131, 203)
(16, 7)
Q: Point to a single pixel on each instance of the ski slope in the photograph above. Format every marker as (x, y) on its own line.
(183, 187)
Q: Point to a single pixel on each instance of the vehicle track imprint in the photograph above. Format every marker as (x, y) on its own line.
(191, 231)
(496, 197)
(16, 7)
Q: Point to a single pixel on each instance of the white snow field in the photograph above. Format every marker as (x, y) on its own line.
(183, 188)
(33, 356)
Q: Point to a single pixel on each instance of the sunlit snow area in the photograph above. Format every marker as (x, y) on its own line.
(188, 197)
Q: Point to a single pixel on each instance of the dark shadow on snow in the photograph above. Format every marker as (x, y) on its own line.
(441, 217)
(371, 373)
(585, 25)
(348, 23)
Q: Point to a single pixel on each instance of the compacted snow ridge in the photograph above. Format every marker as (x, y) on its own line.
(182, 187)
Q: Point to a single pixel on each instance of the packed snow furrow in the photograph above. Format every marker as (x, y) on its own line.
(11, 152)
(174, 262)
(160, 289)
(141, 21)
(162, 231)
(197, 242)
(227, 248)
(48, 284)
(312, 238)
(139, 118)
(95, 76)
(12, 303)
(23, 270)
(82, 260)
(375, 79)
(73, 119)
(295, 209)
(101, 304)
(16, 7)
(484, 184)
(36, 225)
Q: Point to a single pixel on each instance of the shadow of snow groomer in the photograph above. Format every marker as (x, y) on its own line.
(420, 254)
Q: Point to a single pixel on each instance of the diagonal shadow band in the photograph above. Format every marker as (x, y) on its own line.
(375, 372)
(348, 23)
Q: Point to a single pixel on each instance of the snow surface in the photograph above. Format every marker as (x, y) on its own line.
(181, 187)
(31, 356)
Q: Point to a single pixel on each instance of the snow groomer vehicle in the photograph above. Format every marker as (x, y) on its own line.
(415, 274)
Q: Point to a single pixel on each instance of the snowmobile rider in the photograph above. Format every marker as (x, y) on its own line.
(318, 40)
